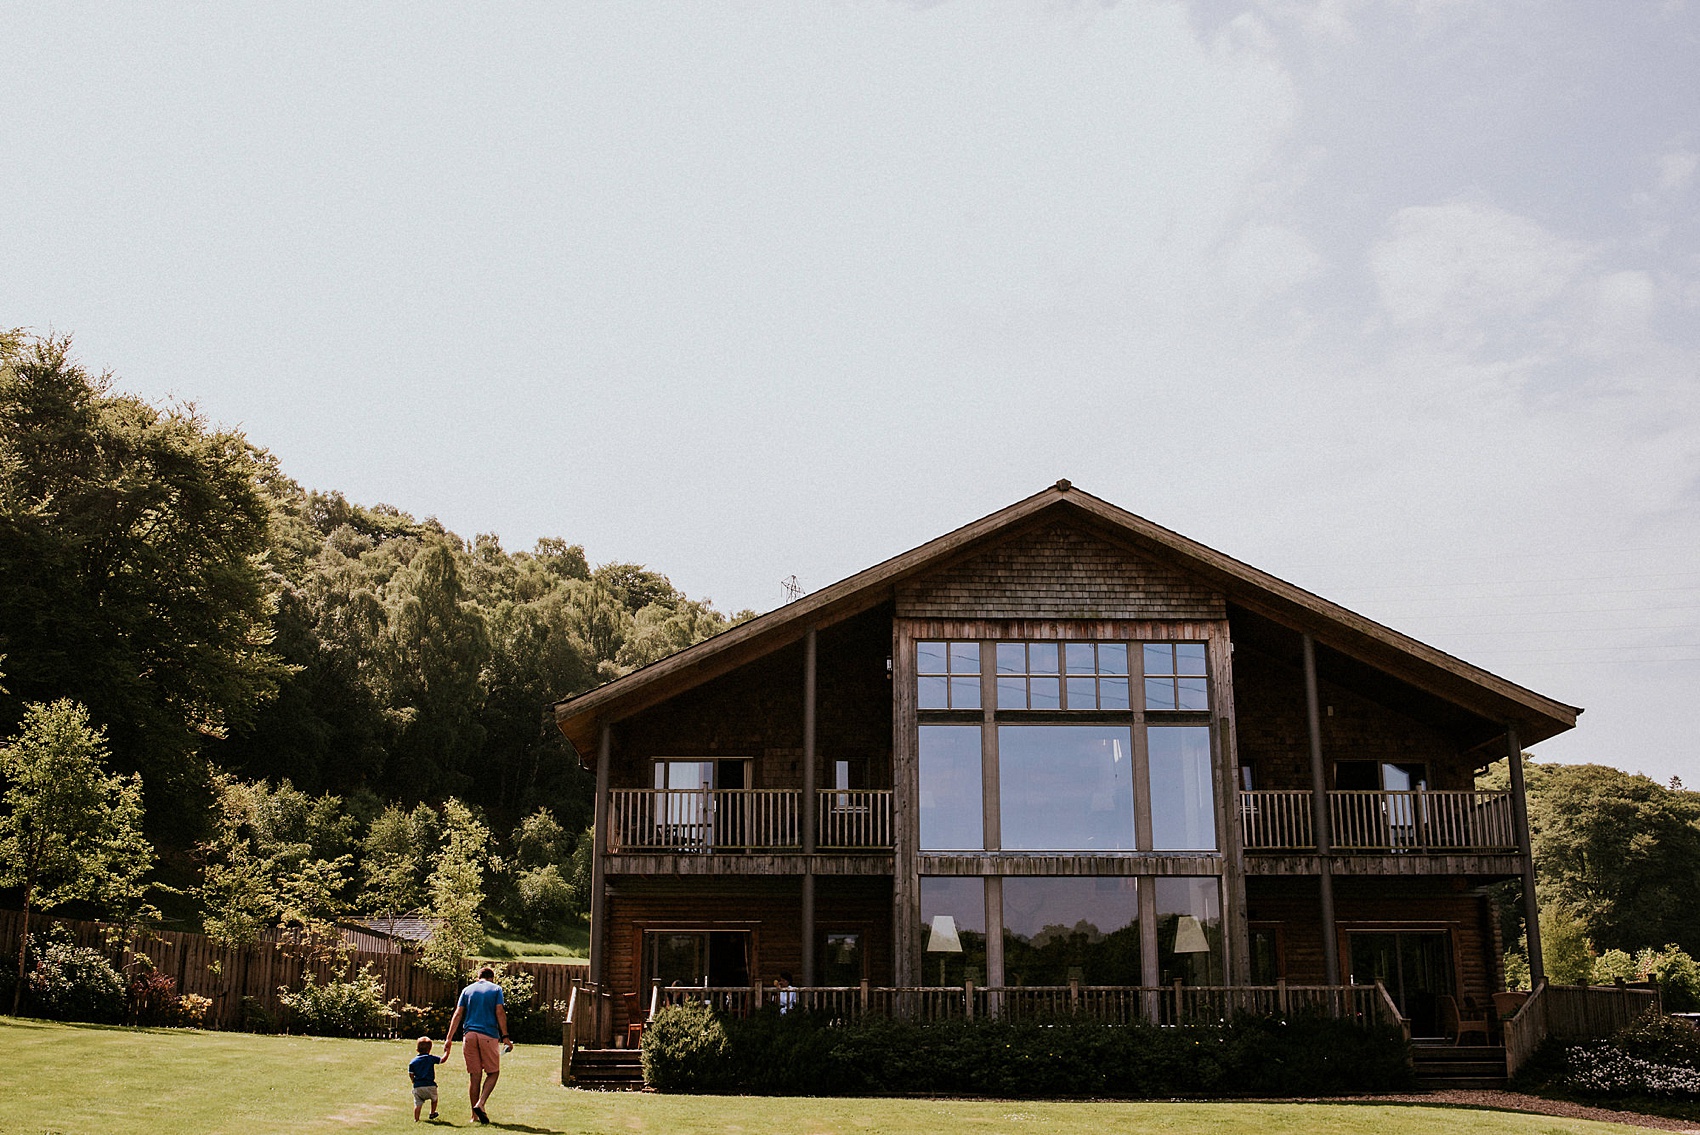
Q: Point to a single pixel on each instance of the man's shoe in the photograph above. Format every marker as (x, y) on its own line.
(478, 1114)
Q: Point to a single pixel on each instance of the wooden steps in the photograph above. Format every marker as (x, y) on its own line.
(608, 1069)
(1459, 1066)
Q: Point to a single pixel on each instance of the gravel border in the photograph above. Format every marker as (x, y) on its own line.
(1519, 1101)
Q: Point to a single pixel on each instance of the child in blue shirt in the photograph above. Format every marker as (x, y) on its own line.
(422, 1069)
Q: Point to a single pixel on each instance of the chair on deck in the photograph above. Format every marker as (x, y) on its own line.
(634, 1020)
(1459, 1022)
(1505, 1005)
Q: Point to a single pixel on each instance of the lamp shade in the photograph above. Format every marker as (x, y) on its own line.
(1189, 936)
(944, 939)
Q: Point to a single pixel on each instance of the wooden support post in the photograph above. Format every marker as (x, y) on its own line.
(994, 930)
(1320, 819)
(905, 816)
(811, 808)
(968, 999)
(598, 870)
(1520, 817)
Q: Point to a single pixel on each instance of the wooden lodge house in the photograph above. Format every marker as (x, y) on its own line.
(1060, 746)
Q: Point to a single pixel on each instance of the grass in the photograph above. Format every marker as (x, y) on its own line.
(94, 1080)
(571, 943)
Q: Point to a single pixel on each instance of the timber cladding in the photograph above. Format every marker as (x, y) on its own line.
(1059, 571)
(1380, 904)
(1273, 739)
(756, 711)
(767, 908)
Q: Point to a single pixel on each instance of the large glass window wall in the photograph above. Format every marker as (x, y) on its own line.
(953, 930)
(1183, 801)
(1058, 930)
(952, 797)
(1189, 931)
(1066, 787)
(1079, 733)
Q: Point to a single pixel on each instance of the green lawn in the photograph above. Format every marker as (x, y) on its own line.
(511, 946)
(89, 1080)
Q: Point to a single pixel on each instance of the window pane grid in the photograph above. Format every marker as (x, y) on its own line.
(1079, 675)
(1175, 677)
(947, 675)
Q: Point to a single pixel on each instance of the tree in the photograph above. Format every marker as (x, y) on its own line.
(70, 829)
(457, 891)
(1621, 852)
(397, 849)
(133, 544)
(277, 857)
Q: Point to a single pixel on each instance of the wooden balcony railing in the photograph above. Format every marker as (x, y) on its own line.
(1419, 820)
(737, 820)
(1116, 1004)
(853, 819)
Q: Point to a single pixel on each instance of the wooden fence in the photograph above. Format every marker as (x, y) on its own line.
(243, 982)
(1572, 1013)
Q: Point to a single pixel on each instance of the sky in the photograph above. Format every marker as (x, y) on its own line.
(1398, 300)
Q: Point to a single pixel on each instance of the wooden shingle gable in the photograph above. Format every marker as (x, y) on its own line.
(979, 567)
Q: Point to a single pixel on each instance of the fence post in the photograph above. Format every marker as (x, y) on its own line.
(968, 999)
(864, 997)
(1178, 1013)
(1074, 995)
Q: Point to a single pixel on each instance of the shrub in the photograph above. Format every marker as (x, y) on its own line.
(75, 983)
(152, 996)
(340, 1007)
(687, 1048)
(1655, 1059)
(423, 1020)
(192, 1010)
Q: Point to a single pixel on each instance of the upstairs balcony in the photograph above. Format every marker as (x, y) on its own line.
(1419, 821)
(732, 821)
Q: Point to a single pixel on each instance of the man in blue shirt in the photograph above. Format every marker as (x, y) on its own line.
(485, 1016)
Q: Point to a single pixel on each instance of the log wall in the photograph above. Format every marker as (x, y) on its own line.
(1381, 904)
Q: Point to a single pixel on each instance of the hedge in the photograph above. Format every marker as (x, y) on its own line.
(689, 1048)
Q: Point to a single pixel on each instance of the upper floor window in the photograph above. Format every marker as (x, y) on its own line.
(1175, 676)
(1069, 675)
(949, 675)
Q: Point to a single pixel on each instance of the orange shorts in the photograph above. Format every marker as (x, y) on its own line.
(483, 1053)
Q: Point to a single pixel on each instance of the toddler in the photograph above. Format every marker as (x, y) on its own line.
(423, 1071)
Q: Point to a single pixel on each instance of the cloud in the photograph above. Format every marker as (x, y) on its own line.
(1452, 268)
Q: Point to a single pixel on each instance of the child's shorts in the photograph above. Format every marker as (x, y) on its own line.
(429, 1092)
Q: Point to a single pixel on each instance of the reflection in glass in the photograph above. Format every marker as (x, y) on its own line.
(1065, 787)
(953, 930)
(950, 788)
(1189, 930)
(1183, 803)
(1057, 930)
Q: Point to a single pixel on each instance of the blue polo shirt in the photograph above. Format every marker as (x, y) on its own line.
(479, 1000)
(423, 1069)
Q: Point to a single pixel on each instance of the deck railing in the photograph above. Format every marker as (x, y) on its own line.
(1114, 1004)
(736, 820)
(853, 818)
(1418, 820)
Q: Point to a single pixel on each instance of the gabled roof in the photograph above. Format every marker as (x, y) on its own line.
(1433, 671)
